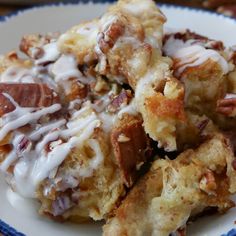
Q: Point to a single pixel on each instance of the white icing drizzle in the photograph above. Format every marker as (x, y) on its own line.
(230, 95)
(89, 31)
(74, 103)
(36, 165)
(51, 53)
(98, 158)
(35, 135)
(44, 164)
(188, 55)
(130, 109)
(42, 75)
(107, 20)
(65, 68)
(22, 116)
(104, 101)
(145, 83)
(16, 74)
(126, 39)
(49, 144)
(107, 121)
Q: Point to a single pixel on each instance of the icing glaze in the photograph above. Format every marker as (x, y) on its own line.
(187, 54)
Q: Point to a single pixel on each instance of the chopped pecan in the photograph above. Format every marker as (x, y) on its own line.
(181, 231)
(208, 183)
(35, 41)
(227, 106)
(77, 91)
(122, 99)
(122, 138)
(108, 38)
(24, 145)
(228, 10)
(101, 86)
(61, 205)
(202, 124)
(32, 41)
(130, 143)
(26, 95)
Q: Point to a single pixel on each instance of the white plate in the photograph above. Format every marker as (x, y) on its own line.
(60, 18)
(26, 2)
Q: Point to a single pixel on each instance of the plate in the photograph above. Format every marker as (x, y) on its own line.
(28, 2)
(21, 214)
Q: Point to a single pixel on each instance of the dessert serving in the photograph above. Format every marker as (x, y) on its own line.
(114, 120)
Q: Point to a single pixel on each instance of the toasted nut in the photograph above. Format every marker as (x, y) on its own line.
(227, 106)
(122, 138)
(26, 95)
(101, 86)
(122, 99)
(108, 38)
(207, 183)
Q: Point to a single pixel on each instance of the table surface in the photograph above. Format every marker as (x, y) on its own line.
(6, 9)
(230, 9)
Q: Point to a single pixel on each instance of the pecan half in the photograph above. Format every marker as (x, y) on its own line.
(61, 205)
(35, 41)
(109, 36)
(227, 106)
(130, 144)
(208, 183)
(26, 95)
(122, 99)
(228, 10)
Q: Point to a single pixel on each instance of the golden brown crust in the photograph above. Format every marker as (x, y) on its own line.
(12, 59)
(94, 196)
(195, 180)
(161, 106)
(137, 200)
(131, 145)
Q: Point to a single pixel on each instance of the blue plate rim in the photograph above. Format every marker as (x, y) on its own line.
(6, 229)
(15, 13)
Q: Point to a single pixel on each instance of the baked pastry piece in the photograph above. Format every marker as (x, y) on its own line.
(53, 158)
(128, 50)
(67, 130)
(207, 70)
(198, 63)
(173, 191)
(80, 117)
(65, 158)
